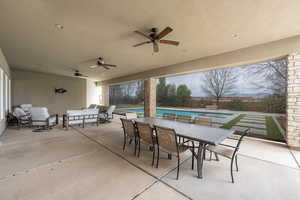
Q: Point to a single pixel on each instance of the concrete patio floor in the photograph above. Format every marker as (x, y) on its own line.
(90, 164)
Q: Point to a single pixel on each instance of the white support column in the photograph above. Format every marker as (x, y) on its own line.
(104, 95)
(293, 101)
(150, 97)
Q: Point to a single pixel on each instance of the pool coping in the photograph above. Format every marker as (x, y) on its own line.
(215, 120)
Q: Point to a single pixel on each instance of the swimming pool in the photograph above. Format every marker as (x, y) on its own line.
(160, 111)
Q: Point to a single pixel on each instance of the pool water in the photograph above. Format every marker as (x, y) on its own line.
(185, 113)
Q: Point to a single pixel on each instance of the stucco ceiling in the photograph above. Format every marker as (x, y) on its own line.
(30, 40)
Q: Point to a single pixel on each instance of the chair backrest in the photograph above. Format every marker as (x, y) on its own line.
(102, 108)
(131, 115)
(128, 127)
(26, 107)
(90, 111)
(145, 132)
(111, 109)
(241, 138)
(183, 118)
(39, 113)
(74, 112)
(203, 121)
(91, 106)
(169, 116)
(19, 112)
(166, 138)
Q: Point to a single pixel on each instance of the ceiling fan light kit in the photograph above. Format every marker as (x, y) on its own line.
(155, 38)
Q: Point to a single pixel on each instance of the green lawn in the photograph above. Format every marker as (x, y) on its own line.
(273, 132)
(233, 122)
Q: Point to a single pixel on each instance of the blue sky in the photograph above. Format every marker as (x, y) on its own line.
(245, 83)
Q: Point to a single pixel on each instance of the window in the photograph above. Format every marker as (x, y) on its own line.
(127, 95)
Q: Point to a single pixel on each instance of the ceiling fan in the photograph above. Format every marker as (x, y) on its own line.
(78, 74)
(156, 38)
(101, 63)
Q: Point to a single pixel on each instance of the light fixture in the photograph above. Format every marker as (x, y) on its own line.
(235, 35)
(59, 26)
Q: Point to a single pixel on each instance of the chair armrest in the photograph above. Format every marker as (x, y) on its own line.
(51, 116)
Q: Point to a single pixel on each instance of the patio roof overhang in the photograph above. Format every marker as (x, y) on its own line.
(250, 55)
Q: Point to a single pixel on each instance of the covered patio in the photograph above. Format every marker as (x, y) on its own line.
(54, 61)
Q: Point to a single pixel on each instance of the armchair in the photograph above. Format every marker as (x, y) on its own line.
(23, 119)
(106, 116)
(41, 117)
(26, 107)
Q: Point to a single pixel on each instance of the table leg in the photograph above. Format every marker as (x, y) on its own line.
(200, 157)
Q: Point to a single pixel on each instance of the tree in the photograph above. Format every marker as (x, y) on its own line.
(274, 74)
(140, 92)
(183, 94)
(161, 90)
(170, 98)
(219, 83)
(274, 80)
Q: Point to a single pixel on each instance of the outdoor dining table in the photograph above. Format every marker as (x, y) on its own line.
(204, 135)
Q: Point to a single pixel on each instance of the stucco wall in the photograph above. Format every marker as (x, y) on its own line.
(4, 66)
(92, 93)
(38, 89)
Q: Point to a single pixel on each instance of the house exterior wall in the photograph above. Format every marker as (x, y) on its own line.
(293, 101)
(38, 89)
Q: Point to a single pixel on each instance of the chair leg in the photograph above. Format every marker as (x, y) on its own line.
(231, 172)
(130, 141)
(153, 155)
(178, 163)
(135, 145)
(124, 143)
(236, 164)
(139, 151)
(157, 159)
(193, 144)
(217, 157)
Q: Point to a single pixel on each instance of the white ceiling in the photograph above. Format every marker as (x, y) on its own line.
(30, 40)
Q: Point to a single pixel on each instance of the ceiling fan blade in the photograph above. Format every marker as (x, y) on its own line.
(143, 34)
(105, 67)
(171, 42)
(109, 65)
(164, 32)
(139, 44)
(94, 66)
(155, 47)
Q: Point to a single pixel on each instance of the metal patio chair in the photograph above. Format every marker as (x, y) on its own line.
(129, 133)
(167, 141)
(169, 116)
(228, 151)
(146, 136)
